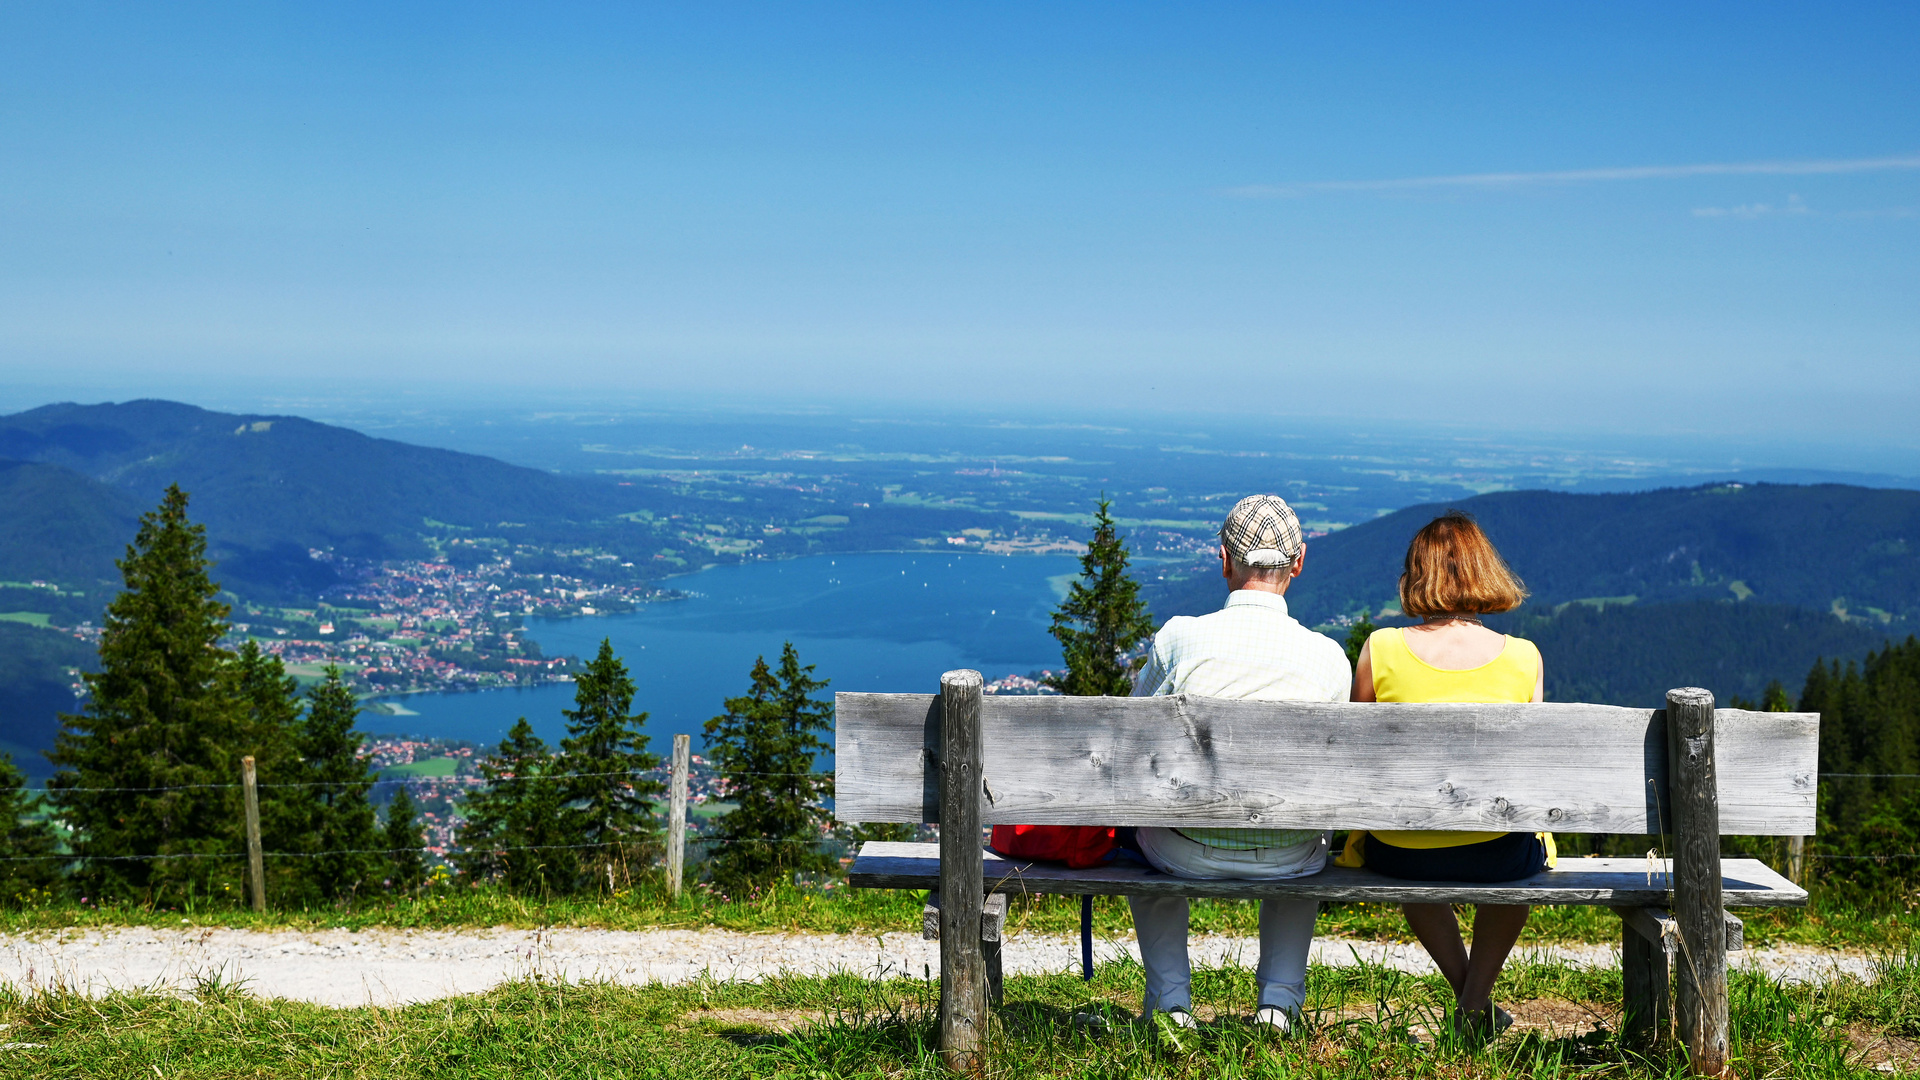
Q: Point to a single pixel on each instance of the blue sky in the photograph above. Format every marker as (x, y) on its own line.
(1608, 217)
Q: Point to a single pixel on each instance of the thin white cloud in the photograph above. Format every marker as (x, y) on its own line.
(1582, 176)
(1794, 206)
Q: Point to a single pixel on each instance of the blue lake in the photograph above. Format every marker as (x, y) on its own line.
(882, 622)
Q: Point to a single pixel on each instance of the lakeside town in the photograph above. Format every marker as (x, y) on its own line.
(422, 625)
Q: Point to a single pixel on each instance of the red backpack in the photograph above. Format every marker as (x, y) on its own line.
(1079, 846)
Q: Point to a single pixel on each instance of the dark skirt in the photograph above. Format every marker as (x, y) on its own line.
(1509, 858)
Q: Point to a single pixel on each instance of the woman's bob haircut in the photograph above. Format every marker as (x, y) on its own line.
(1453, 569)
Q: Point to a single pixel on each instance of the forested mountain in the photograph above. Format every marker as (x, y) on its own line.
(34, 689)
(1813, 547)
(1634, 654)
(60, 526)
(271, 487)
(1728, 586)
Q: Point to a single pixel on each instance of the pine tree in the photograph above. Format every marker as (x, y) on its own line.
(28, 840)
(1101, 618)
(1357, 636)
(269, 703)
(406, 861)
(340, 832)
(1869, 737)
(763, 749)
(609, 796)
(1774, 698)
(161, 727)
(514, 832)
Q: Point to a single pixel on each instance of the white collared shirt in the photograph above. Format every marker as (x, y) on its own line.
(1251, 648)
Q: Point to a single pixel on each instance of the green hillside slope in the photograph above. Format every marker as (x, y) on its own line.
(1633, 655)
(60, 526)
(34, 690)
(270, 487)
(1809, 547)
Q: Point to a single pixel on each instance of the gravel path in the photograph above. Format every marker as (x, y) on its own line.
(339, 967)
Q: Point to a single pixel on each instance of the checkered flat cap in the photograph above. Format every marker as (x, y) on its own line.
(1262, 530)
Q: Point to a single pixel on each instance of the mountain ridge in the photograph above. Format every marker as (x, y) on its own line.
(270, 487)
(1820, 547)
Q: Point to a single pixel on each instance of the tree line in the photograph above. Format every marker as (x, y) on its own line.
(145, 804)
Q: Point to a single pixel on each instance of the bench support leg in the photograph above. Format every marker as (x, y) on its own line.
(996, 988)
(1699, 905)
(993, 927)
(963, 968)
(1647, 1008)
(1086, 937)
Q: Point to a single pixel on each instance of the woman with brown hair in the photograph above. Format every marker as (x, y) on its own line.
(1454, 576)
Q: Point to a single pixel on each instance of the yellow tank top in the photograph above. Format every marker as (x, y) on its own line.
(1398, 675)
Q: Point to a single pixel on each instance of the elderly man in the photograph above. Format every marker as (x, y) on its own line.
(1251, 648)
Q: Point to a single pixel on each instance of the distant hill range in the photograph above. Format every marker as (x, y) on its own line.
(1825, 547)
(268, 489)
(1729, 585)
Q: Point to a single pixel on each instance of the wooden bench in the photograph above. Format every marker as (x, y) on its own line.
(1686, 773)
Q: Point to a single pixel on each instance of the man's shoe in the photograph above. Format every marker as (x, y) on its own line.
(1179, 1018)
(1274, 1017)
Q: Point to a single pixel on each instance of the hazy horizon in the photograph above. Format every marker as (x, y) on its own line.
(1603, 223)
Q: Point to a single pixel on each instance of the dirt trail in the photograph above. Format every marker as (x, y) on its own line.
(339, 967)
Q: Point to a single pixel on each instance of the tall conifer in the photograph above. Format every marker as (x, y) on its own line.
(161, 727)
(341, 839)
(514, 830)
(406, 861)
(1101, 618)
(609, 797)
(32, 871)
(268, 700)
(763, 748)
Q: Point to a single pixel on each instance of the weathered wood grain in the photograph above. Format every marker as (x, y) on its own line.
(1197, 761)
(1601, 882)
(993, 917)
(1646, 983)
(1657, 925)
(677, 815)
(963, 965)
(256, 868)
(1700, 967)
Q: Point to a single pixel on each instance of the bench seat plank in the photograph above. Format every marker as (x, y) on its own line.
(1602, 882)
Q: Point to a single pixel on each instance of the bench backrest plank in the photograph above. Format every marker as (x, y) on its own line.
(1213, 762)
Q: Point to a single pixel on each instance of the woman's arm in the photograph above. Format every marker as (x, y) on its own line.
(1540, 682)
(1363, 675)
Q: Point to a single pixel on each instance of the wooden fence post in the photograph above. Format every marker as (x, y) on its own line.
(256, 864)
(677, 817)
(963, 969)
(1796, 859)
(1700, 967)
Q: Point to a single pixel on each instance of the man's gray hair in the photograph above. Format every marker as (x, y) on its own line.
(1261, 573)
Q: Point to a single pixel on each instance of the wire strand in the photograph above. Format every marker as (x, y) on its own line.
(383, 851)
(264, 786)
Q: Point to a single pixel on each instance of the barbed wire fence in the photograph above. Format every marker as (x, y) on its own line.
(56, 791)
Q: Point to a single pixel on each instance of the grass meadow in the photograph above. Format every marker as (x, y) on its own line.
(1365, 1021)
